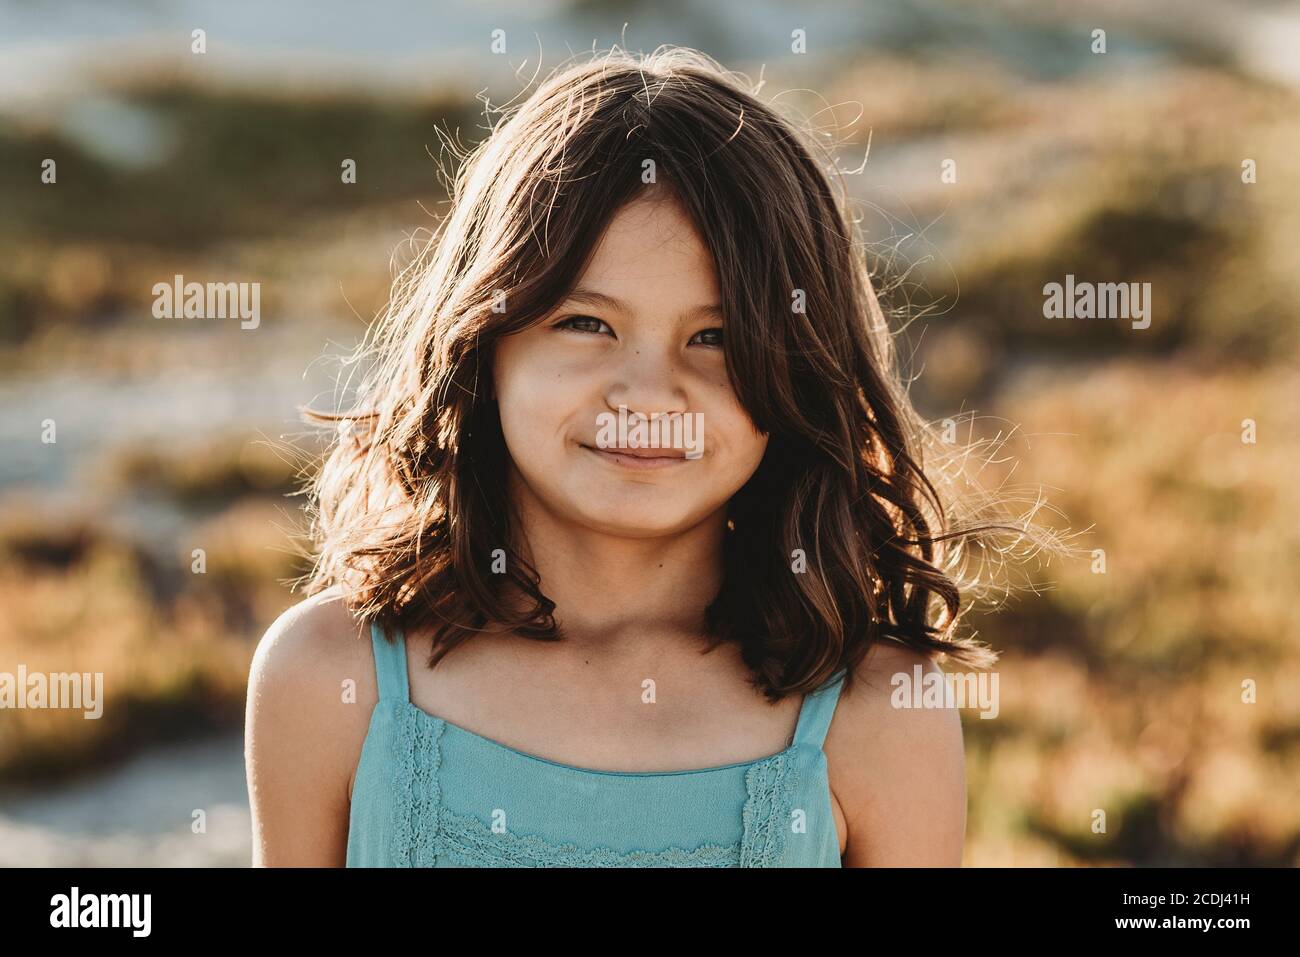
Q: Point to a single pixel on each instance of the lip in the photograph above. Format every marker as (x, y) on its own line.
(641, 459)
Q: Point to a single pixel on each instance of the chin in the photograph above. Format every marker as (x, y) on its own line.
(641, 522)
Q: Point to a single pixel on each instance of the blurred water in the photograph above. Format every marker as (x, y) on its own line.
(118, 132)
(45, 46)
(208, 386)
(140, 814)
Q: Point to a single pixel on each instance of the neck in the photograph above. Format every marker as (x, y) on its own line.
(610, 590)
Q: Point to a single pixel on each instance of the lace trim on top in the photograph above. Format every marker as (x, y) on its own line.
(416, 812)
(423, 830)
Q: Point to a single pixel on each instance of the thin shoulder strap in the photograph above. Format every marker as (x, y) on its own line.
(390, 664)
(817, 710)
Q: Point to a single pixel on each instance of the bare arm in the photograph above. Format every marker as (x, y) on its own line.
(302, 741)
(898, 774)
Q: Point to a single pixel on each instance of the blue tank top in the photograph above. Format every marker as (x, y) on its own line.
(428, 793)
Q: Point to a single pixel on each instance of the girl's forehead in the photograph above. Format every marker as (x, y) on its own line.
(650, 242)
(651, 220)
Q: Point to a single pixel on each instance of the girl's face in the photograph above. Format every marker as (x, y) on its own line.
(642, 329)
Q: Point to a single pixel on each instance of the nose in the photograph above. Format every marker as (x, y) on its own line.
(646, 383)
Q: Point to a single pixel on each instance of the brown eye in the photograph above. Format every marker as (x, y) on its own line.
(589, 324)
(708, 337)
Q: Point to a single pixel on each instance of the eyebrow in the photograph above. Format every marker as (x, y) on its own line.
(598, 299)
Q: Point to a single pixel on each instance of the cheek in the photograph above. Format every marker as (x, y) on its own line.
(749, 448)
(513, 383)
(735, 433)
(531, 395)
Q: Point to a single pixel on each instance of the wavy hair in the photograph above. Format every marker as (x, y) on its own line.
(411, 497)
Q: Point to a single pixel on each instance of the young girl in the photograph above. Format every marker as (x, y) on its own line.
(535, 640)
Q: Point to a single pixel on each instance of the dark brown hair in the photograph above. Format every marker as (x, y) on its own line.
(411, 500)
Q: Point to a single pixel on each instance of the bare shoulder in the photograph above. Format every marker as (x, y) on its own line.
(310, 641)
(311, 692)
(897, 772)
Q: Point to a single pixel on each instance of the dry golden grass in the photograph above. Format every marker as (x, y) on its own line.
(1123, 691)
(173, 646)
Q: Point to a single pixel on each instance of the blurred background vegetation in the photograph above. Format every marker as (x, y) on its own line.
(1120, 691)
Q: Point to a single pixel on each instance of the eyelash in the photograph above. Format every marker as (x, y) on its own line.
(565, 324)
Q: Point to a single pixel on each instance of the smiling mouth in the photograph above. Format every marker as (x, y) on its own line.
(641, 459)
